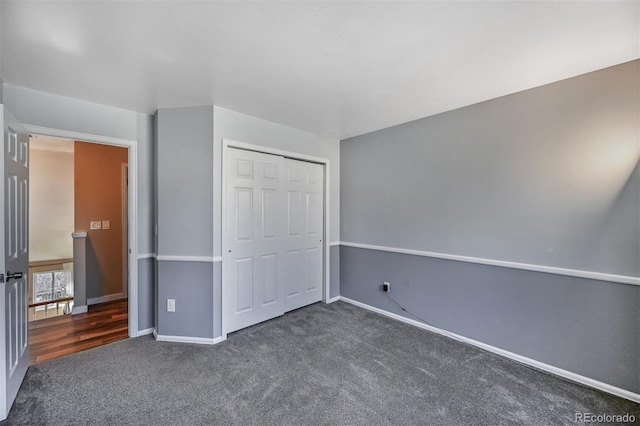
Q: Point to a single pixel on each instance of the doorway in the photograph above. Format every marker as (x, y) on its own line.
(132, 220)
(77, 187)
(273, 236)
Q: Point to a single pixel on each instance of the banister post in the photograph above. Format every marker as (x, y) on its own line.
(79, 272)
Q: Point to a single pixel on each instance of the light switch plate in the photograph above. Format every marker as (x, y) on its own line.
(171, 305)
(106, 224)
(95, 224)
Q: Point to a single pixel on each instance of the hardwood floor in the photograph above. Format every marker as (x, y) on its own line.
(59, 336)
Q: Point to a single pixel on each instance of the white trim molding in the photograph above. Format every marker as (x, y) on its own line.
(79, 310)
(79, 234)
(146, 256)
(145, 332)
(85, 137)
(229, 143)
(335, 243)
(504, 353)
(186, 339)
(333, 299)
(621, 279)
(105, 299)
(174, 258)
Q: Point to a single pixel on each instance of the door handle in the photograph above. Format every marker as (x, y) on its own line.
(15, 275)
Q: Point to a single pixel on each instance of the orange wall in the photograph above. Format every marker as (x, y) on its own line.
(98, 196)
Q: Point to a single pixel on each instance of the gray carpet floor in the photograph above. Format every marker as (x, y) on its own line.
(320, 365)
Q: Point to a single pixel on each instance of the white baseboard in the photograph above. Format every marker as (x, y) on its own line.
(107, 298)
(519, 358)
(79, 310)
(145, 332)
(333, 299)
(187, 339)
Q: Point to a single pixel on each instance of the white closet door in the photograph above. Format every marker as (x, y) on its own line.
(304, 231)
(253, 288)
(273, 258)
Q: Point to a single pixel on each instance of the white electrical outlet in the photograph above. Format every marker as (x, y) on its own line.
(106, 224)
(95, 224)
(386, 286)
(171, 305)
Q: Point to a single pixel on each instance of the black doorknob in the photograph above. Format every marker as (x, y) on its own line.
(15, 275)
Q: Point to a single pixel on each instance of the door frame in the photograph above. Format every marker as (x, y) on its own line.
(124, 195)
(132, 150)
(228, 143)
(4, 409)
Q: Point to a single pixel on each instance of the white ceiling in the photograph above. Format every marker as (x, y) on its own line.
(333, 68)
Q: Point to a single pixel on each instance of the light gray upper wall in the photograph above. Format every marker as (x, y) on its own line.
(146, 176)
(244, 128)
(334, 274)
(147, 304)
(547, 176)
(185, 181)
(59, 112)
(2, 39)
(190, 285)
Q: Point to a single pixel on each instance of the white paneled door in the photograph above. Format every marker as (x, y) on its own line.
(252, 263)
(303, 234)
(273, 257)
(14, 293)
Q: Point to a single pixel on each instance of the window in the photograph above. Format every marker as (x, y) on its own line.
(50, 285)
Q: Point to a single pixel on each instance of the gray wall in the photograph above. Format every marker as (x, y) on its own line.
(543, 177)
(146, 212)
(146, 176)
(217, 298)
(59, 112)
(1, 54)
(80, 272)
(146, 294)
(334, 290)
(184, 153)
(585, 326)
(190, 284)
(547, 177)
(185, 181)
